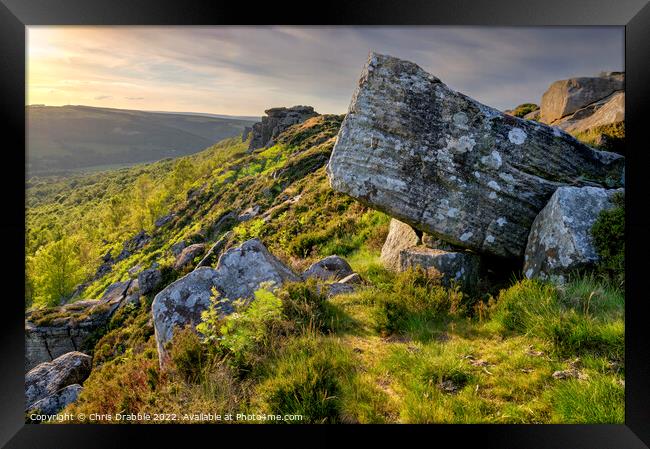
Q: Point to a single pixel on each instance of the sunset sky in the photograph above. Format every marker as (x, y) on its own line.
(244, 70)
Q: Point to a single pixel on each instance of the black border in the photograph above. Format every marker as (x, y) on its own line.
(633, 14)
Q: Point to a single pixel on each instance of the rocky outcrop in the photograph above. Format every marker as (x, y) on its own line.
(565, 97)
(249, 214)
(56, 402)
(240, 272)
(48, 378)
(188, 254)
(53, 332)
(276, 121)
(451, 166)
(445, 266)
(560, 240)
(331, 268)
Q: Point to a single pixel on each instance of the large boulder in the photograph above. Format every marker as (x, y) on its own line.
(560, 238)
(400, 236)
(565, 97)
(608, 111)
(451, 166)
(54, 403)
(240, 272)
(276, 121)
(449, 267)
(49, 377)
(52, 332)
(331, 268)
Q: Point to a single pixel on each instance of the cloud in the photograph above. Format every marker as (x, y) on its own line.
(244, 70)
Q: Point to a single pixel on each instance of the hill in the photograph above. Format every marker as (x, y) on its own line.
(70, 138)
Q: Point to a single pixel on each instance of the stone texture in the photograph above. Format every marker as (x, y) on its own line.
(608, 111)
(59, 330)
(331, 268)
(276, 121)
(400, 236)
(249, 213)
(240, 272)
(462, 268)
(49, 377)
(56, 402)
(149, 280)
(564, 97)
(560, 239)
(450, 166)
(188, 254)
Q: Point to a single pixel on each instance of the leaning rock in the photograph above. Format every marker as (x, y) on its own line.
(56, 402)
(462, 268)
(149, 280)
(276, 121)
(188, 254)
(400, 236)
(49, 377)
(328, 269)
(560, 239)
(240, 272)
(565, 97)
(450, 166)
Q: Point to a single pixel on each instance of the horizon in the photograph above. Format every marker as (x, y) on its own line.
(244, 70)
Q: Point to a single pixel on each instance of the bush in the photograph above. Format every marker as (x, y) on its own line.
(608, 233)
(304, 307)
(524, 109)
(413, 300)
(187, 355)
(308, 378)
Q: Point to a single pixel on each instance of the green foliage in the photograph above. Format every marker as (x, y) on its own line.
(608, 233)
(413, 301)
(187, 354)
(583, 317)
(524, 108)
(308, 378)
(55, 269)
(599, 401)
(610, 137)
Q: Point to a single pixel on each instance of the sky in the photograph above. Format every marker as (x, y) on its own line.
(244, 70)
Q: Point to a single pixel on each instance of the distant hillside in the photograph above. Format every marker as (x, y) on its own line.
(70, 138)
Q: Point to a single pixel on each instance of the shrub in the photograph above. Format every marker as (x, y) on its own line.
(304, 307)
(582, 317)
(413, 300)
(524, 109)
(308, 378)
(608, 233)
(187, 354)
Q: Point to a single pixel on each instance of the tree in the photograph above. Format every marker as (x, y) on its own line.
(55, 270)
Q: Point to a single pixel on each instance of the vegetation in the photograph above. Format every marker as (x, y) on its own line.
(609, 137)
(609, 239)
(523, 109)
(400, 348)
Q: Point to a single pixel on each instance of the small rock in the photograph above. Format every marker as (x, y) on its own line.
(400, 236)
(329, 268)
(449, 267)
(249, 214)
(162, 221)
(188, 254)
(178, 247)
